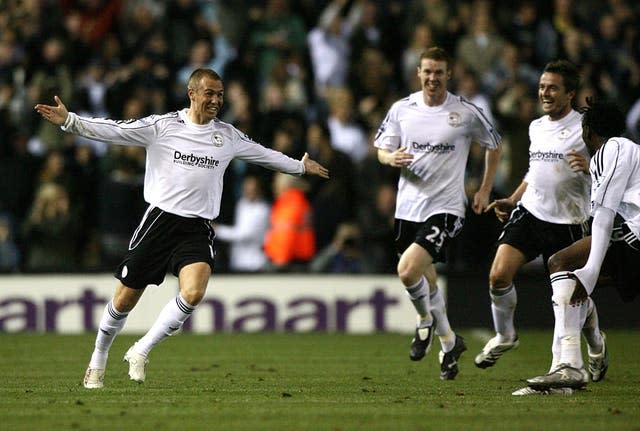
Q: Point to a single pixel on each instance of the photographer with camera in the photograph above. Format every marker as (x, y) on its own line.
(344, 255)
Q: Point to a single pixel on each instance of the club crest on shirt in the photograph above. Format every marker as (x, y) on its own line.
(216, 139)
(454, 119)
(564, 134)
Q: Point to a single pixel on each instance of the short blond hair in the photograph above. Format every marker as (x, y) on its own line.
(197, 75)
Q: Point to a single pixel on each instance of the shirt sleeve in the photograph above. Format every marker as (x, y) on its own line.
(600, 235)
(253, 152)
(140, 132)
(484, 132)
(609, 174)
(388, 135)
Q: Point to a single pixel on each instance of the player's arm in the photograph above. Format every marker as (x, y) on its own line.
(258, 154)
(503, 207)
(131, 132)
(481, 197)
(398, 158)
(600, 235)
(612, 170)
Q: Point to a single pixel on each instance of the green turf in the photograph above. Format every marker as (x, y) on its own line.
(304, 382)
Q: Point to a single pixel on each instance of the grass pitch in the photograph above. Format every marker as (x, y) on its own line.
(304, 382)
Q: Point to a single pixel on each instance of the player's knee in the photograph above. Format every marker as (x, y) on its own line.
(406, 278)
(192, 296)
(557, 263)
(498, 280)
(408, 274)
(126, 298)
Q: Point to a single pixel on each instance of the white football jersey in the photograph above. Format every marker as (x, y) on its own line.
(615, 180)
(555, 193)
(185, 161)
(439, 137)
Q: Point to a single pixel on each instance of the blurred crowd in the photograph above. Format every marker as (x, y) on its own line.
(300, 75)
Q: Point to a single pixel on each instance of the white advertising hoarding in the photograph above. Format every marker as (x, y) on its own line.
(234, 303)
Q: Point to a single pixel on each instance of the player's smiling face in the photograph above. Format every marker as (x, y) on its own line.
(433, 75)
(206, 100)
(554, 98)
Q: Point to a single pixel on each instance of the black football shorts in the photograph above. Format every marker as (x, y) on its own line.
(162, 243)
(434, 234)
(622, 261)
(534, 237)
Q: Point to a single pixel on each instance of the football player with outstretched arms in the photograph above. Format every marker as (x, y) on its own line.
(187, 154)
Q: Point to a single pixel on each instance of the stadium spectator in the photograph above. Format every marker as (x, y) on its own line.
(576, 46)
(18, 181)
(332, 201)
(95, 18)
(514, 121)
(290, 242)
(481, 48)
(278, 33)
(187, 154)
(441, 16)
(368, 32)
(137, 22)
(345, 254)
(507, 72)
(632, 121)
(239, 110)
(371, 86)
(9, 252)
(206, 53)
(276, 118)
(347, 135)
(51, 230)
(532, 33)
(84, 170)
(246, 235)
(376, 221)
(429, 144)
(185, 26)
(52, 77)
(329, 44)
(54, 169)
(288, 77)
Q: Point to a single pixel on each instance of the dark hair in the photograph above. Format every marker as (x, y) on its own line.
(198, 74)
(436, 53)
(568, 71)
(603, 117)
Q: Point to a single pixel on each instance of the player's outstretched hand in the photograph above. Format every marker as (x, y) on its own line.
(502, 208)
(56, 114)
(314, 168)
